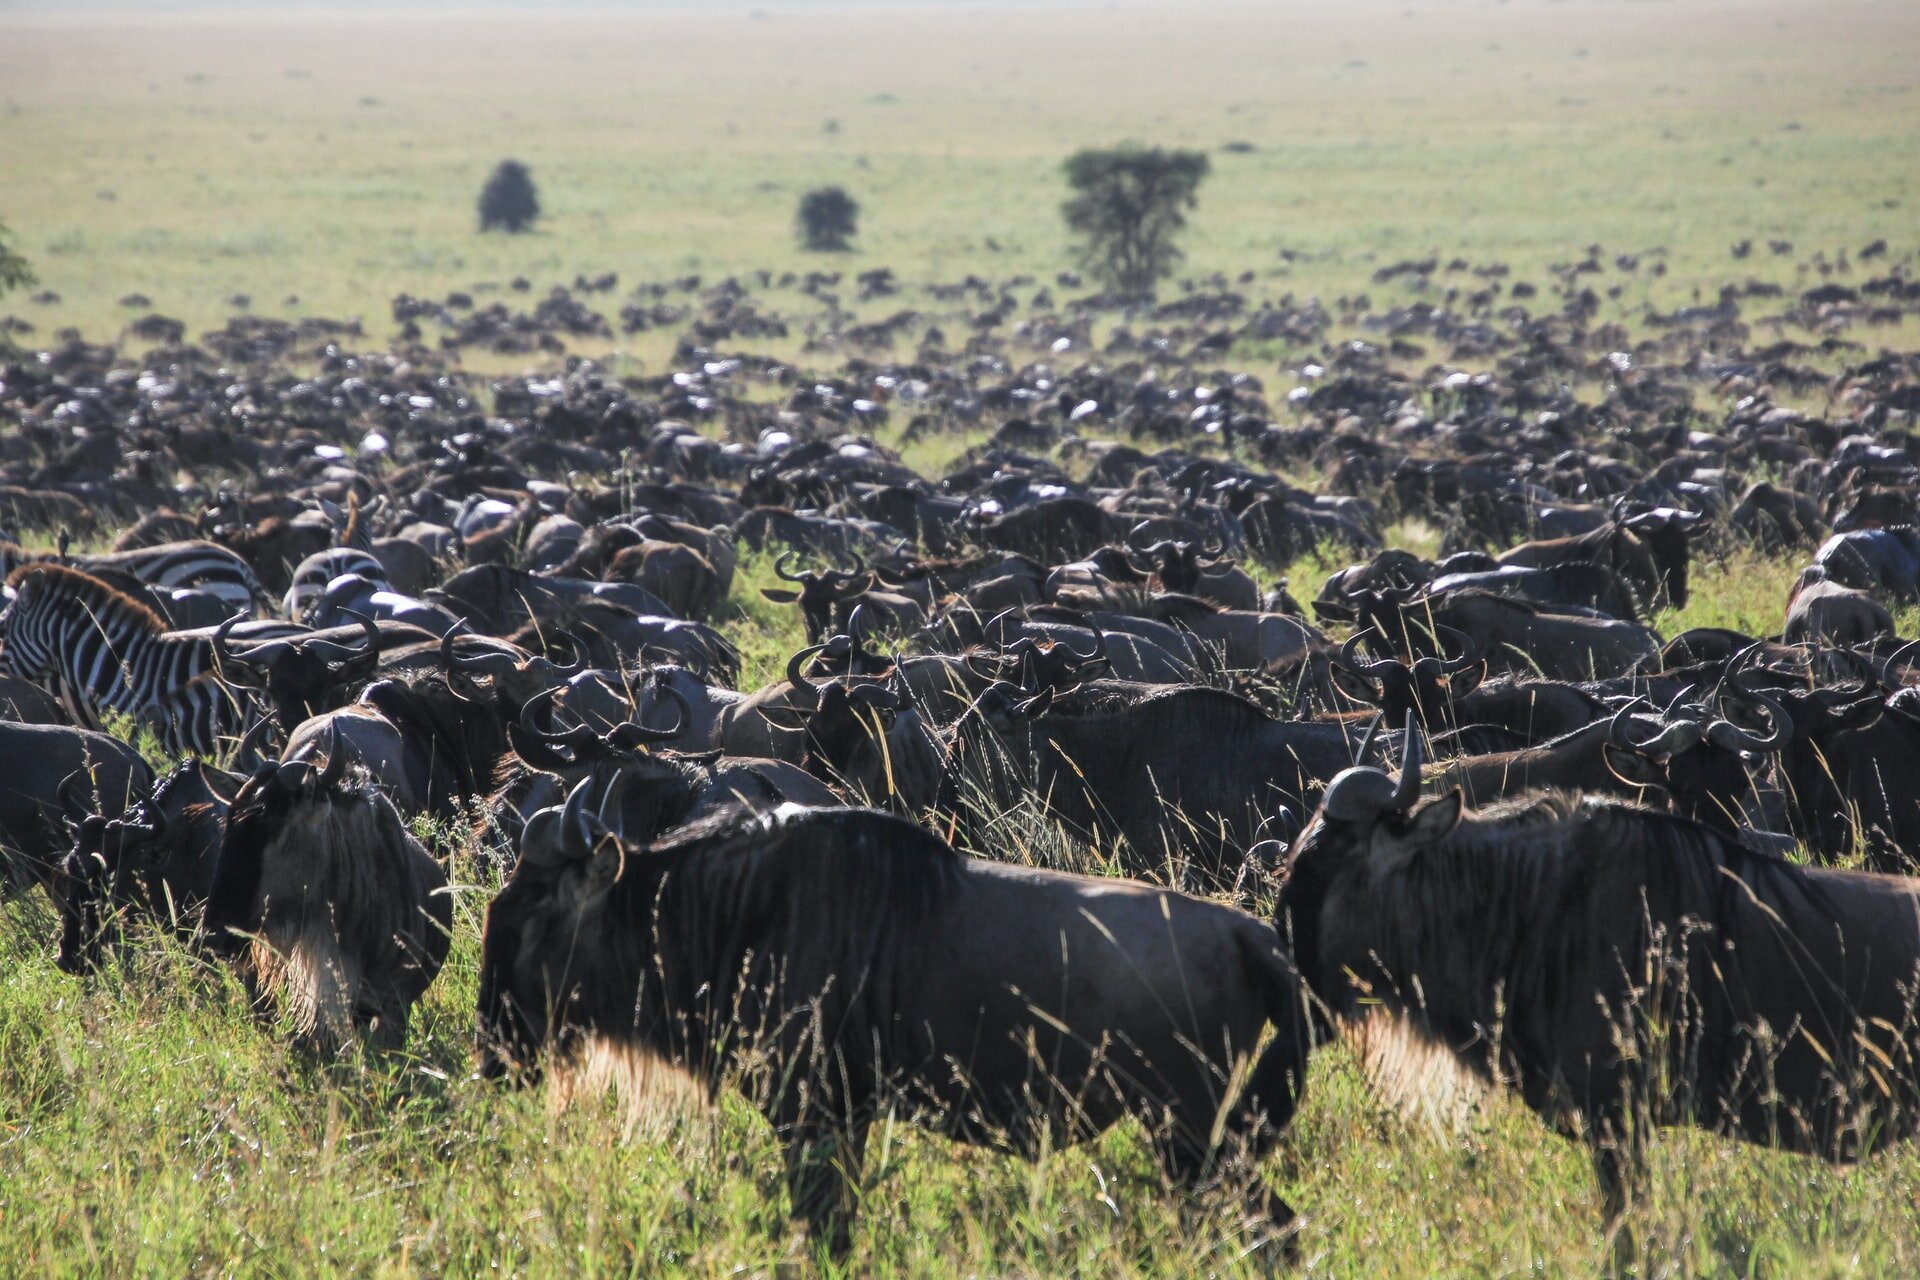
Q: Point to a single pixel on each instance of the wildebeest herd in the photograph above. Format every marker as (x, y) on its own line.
(404, 628)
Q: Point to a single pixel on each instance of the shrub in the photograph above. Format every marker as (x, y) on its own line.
(509, 201)
(828, 220)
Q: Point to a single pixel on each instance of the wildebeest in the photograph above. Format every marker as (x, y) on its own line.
(329, 902)
(53, 773)
(156, 860)
(1621, 969)
(858, 960)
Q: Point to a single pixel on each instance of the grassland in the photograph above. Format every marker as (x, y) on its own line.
(151, 1125)
(338, 160)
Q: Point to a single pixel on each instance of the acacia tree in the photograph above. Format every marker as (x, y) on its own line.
(828, 219)
(1128, 203)
(14, 271)
(509, 200)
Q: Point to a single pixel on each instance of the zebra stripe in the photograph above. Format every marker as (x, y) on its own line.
(99, 651)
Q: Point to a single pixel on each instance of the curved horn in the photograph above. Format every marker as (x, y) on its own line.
(67, 800)
(1469, 652)
(780, 567)
(633, 733)
(1905, 654)
(345, 657)
(580, 737)
(223, 654)
(483, 664)
(336, 767)
(1367, 668)
(798, 678)
(1412, 757)
(1724, 733)
(1674, 737)
(1135, 539)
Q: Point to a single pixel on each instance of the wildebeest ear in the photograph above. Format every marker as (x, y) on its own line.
(1632, 767)
(1397, 842)
(780, 595)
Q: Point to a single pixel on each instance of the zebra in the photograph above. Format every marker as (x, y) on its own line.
(310, 579)
(102, 652)
(160, 570)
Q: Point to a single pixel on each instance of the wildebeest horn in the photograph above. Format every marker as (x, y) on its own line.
(223, 654)
(780, 567)
(1674, 737)
(336, 767)
(70, 803)
(485, 664)
(1136, 538)
(1469, 652)
(633, 733)
(1906, 653)
(1351, 660)
(1411, 758)
(1724, 733)
(859, 568)
(344, 657)
(580, 737)
(798, 678)
(1099, 651)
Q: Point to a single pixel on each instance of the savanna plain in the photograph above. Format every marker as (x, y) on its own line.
(319, 163)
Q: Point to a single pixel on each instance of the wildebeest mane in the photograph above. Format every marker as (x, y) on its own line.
(746, 917)
(467, 738)
(1504, 978)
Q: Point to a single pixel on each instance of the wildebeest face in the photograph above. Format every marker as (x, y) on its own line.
(535, 952)
(1327, 872)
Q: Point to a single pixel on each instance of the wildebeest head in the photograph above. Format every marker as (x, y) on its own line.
(531, 965)
(1369, 823)
(820, 590)
(1424, 689)
(514, 676)
(262, 813)
(1698, 757)
(302, 676)
(157, 857)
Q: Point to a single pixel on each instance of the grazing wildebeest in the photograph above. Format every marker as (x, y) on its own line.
(862, 961)
(329, 901)
(49, 773)
(1621, 969)
(156, 860)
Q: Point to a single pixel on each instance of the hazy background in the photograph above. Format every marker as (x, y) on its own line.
(332, 152)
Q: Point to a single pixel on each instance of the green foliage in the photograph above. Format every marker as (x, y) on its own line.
(509, 201)
(828, 219)
(15, 272)
(1128, 204)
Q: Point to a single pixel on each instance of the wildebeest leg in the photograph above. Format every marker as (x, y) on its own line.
(823, 1179)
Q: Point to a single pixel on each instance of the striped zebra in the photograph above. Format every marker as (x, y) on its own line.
(166, 567)
(100, 651)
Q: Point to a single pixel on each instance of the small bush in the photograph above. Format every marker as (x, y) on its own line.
(14, 271)
(828, 220)
(509, 201)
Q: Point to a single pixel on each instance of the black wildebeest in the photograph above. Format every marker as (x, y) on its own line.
(862, 960)
(329, 902)
(1623, 970)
